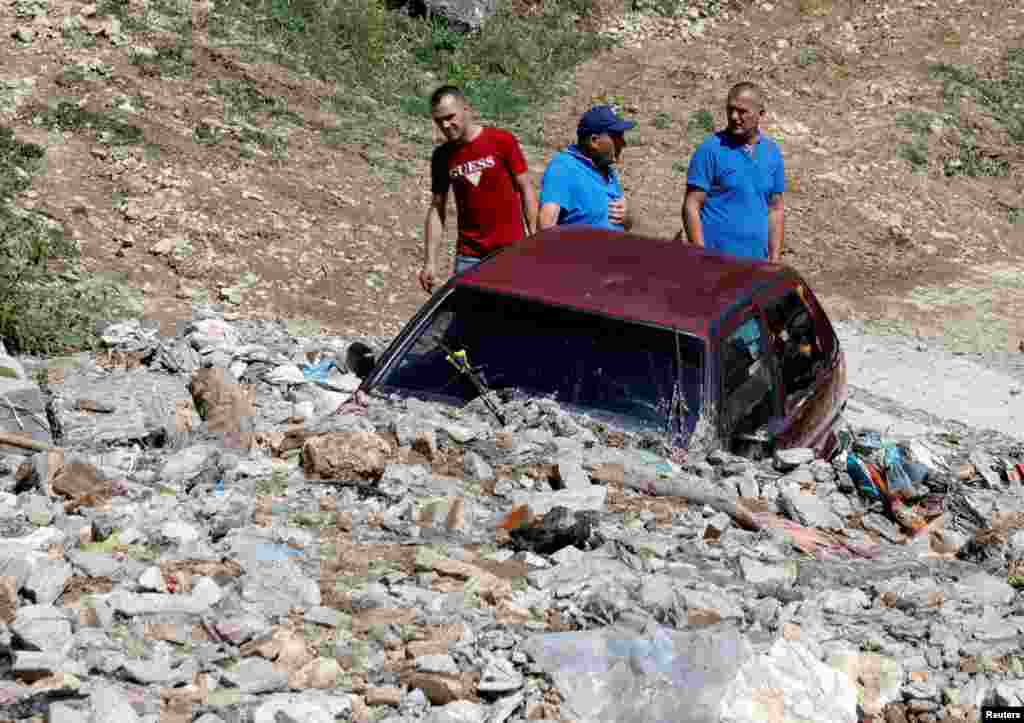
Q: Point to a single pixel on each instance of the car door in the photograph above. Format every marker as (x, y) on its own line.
(748, 384)
(806, 352)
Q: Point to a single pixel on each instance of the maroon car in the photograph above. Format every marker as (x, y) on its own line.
(642, 332)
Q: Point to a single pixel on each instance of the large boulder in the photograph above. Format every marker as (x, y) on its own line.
(22, 406)
(356, 455)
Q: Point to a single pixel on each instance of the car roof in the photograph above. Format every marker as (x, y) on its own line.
(625, 275)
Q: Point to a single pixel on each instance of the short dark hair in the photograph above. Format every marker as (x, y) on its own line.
(747, 87)
(447, 91)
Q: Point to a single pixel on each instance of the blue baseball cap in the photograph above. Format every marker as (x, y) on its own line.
(602, 119)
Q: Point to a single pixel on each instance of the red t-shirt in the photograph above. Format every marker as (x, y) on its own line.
(481, 173)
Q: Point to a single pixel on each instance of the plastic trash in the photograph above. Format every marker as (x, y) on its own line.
(866, 476)
(895, 473)
(319, 372)
(619, 676)
(868, 443)
(660, 675)
(218, 490)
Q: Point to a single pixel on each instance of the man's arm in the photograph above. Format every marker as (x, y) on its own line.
(693, 202)
(548, 215)
(528, 198)
(433, 232)
(776, 226)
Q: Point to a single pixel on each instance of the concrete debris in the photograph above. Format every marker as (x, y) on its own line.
(400, 562)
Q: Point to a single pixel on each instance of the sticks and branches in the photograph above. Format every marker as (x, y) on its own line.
(698, 492)
(15, 413)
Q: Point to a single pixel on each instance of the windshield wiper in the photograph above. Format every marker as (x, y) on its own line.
(460, 360)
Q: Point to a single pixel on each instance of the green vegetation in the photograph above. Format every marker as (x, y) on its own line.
(967, 94)
(662, 120)
(47, 304)
(807, 57)
(171, 61)
(68, 116)
(702, 122)
(383, 57)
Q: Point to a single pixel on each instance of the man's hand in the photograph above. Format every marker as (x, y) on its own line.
(427, 279)
(617, 211)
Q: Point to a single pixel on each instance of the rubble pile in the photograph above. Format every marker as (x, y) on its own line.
(211, 527)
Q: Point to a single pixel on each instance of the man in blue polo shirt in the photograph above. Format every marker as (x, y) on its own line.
(735, 183)
(579, 185)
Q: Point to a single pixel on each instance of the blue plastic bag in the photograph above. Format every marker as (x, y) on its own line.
(858, 471)
(318, 372)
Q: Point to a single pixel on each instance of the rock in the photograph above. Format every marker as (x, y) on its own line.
(808, 509)
(571, 476)
(64, 713)
(25, 396)
(787, 460)
(346, 456)
(47, 580)
(984, 589)
(540, 503)
(110, 704)
(8, 598)
(880, 678)
(384, 695)
(439, 688)
(43, 628)
(81, 482)
(984, 465)
(189, 463)
(847, 602)
(758, 573)
(224, 405)
(461, 711)
(557, 529)
(256, 675)
(321, 673)
(790, 681)
(476, 468)
(499, 677)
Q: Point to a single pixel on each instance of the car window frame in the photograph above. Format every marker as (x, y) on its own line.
(414, 331)
(827, 343)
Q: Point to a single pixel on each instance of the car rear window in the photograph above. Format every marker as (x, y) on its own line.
(578, 359)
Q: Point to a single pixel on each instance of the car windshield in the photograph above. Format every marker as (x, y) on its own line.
(581, 360)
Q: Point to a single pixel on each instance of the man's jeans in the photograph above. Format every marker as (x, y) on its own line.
(465, 262)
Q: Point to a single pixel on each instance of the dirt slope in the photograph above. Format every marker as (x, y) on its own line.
(247, 169)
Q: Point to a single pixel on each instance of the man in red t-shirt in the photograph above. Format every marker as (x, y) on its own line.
(495, 199)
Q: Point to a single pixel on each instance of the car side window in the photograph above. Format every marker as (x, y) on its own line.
(794, 336)
(748, 388)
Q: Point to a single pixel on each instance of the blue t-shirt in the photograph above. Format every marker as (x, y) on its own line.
(738, 186)
(581, 190)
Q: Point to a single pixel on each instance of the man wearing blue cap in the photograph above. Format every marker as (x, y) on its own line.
(579, 185)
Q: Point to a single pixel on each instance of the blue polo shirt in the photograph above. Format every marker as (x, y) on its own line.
(738, 186)
(581, 190)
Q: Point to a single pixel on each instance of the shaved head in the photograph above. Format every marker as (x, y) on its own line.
(751, 90)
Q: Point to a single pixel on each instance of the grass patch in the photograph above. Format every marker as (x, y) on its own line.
(807, 57)
(1015, 215)
(47, 304)
(18, 161)
(815, 8)
(701, 123)
(398, 60)
(662, 121)
(242, 100)
(1001, 98)
(67, 116)
(166, 61)
(915, 151)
